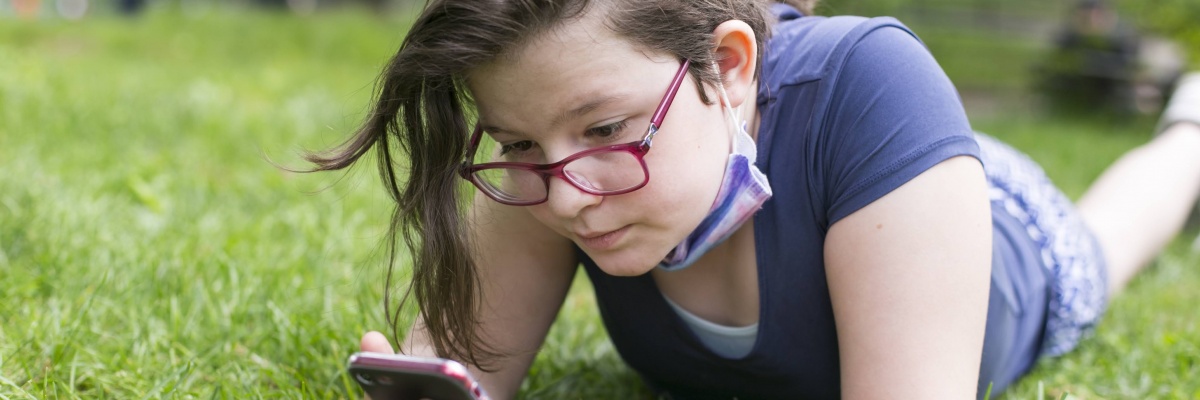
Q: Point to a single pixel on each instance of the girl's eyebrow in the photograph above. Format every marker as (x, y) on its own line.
(587, 107)
(573, 113)
(491, 130)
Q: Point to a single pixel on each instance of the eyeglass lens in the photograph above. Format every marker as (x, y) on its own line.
(597, 173)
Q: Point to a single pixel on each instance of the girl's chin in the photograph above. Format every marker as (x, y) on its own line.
(625, 267)
(627, 272)
(631, 259)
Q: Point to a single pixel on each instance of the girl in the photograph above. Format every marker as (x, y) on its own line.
(805, 217)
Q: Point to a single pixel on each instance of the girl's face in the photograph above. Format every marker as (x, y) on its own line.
(579, 87)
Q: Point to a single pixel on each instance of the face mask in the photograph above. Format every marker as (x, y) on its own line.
(743, 192)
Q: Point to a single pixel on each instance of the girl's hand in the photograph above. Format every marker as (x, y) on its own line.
(375, 342)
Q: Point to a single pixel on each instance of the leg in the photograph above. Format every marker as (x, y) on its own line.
(1141, 202)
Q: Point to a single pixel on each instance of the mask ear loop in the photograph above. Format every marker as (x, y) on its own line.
(734, 129)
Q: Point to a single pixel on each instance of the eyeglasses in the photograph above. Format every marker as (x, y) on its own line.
(602, 171)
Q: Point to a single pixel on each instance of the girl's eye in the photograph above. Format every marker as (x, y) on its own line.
(610, 131)
(516, 147)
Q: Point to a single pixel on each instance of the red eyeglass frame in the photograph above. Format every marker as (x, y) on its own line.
(546, 171)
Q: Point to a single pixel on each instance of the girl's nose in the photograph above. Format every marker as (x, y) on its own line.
(567, 201)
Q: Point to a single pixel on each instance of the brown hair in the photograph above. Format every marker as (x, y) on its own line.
(419, 112)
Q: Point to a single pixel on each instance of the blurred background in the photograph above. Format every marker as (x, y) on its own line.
(1122, 55)
(152, 246)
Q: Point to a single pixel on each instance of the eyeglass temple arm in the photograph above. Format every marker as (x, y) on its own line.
(472, 147)
(665, 104)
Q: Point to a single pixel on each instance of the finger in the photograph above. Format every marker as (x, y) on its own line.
(375, 342)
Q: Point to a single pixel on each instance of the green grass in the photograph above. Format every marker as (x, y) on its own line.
(148, 249)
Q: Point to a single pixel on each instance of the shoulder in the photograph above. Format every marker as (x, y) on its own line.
(812, 48)
(858, 106)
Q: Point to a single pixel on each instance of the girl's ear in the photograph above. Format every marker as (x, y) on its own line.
(737, 54)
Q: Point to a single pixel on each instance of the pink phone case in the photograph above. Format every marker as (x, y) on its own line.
(395, 376)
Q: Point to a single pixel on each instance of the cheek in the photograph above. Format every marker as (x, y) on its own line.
(545, 216)
(685, 180)
(692, 164)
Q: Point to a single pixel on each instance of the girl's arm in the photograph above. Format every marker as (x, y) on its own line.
(525, 270)
(909, 278)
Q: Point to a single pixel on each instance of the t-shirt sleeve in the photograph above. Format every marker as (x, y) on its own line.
(893, 114)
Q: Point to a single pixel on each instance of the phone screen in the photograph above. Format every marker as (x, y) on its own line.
(400, 377)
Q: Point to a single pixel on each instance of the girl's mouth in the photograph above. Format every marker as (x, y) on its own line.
(605, 240)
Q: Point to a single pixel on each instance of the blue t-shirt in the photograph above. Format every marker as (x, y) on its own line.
(851, 108)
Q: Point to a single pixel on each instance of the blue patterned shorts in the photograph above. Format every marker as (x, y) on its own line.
(1069, 251)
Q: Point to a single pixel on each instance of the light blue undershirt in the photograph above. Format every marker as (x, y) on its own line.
(726, 341)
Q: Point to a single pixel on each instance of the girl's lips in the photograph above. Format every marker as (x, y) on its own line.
(605, 240)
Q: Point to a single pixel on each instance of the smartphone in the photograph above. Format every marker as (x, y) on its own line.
(401, 377)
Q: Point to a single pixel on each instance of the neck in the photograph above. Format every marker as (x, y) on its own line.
(749, 109)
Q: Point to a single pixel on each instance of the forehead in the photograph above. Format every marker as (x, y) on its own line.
(579, 61)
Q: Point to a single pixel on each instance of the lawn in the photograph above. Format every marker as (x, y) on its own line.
(150, 248)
